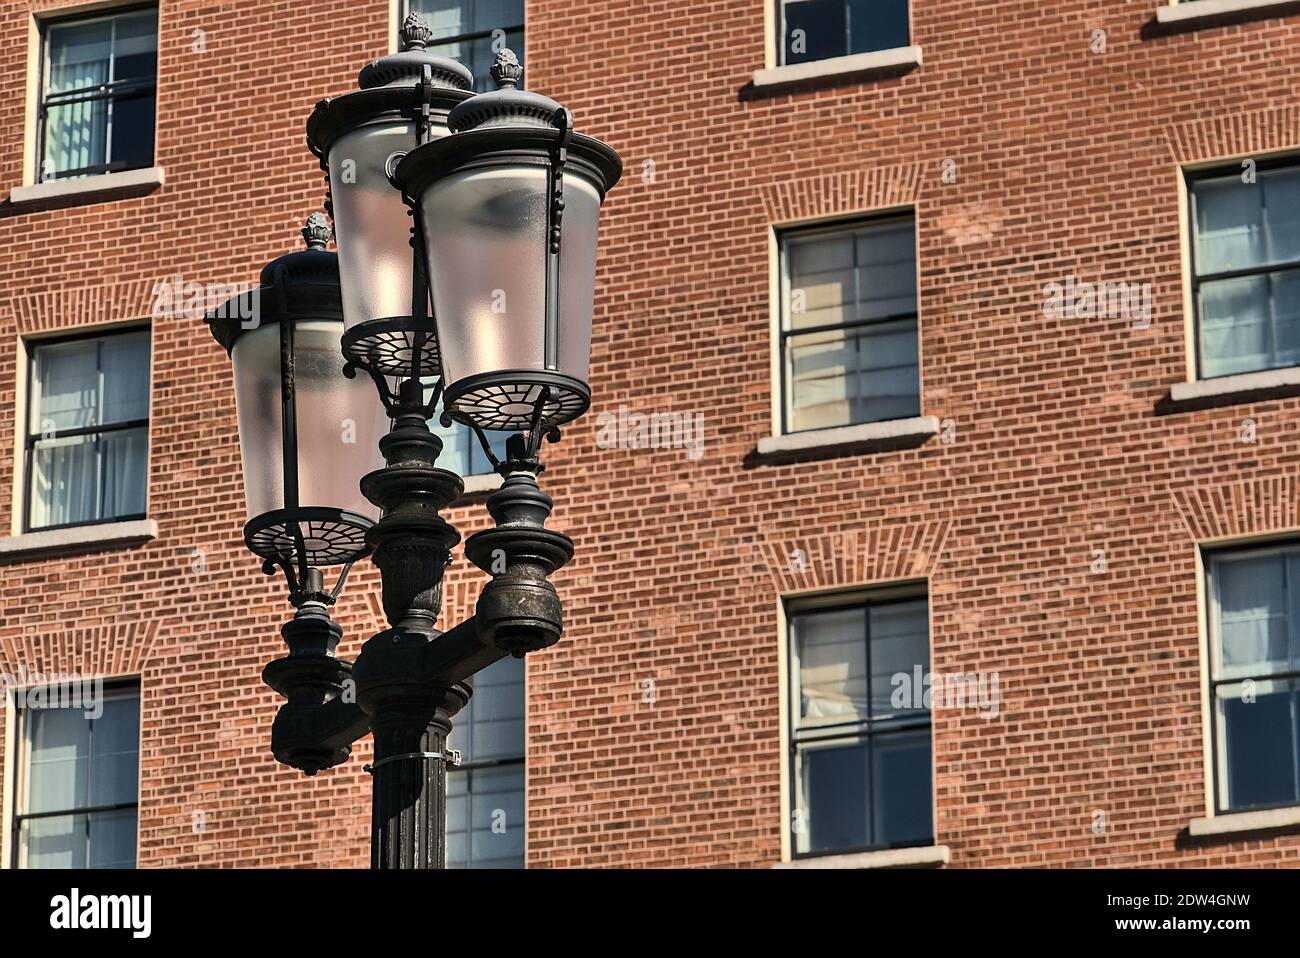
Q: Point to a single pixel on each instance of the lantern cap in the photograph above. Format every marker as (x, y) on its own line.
(406, 68)
(390, 88)
(305, 267)
(303, 285)
(507, 105)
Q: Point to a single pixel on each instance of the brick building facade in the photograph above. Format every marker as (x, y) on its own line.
(1046, 481)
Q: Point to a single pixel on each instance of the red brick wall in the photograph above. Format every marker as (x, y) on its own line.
(1066, 164)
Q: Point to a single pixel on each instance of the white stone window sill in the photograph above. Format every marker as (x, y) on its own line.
(1238, 822)
(474, 485)
(1190, 11)
(1243, 383)
(929, 856)
(78, 539)
(868, 432)
(125, 183)
(841, 66)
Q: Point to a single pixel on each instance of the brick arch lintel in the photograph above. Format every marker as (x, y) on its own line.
(1241, 133)
(854, 557)
(831, 195)
(120, 648)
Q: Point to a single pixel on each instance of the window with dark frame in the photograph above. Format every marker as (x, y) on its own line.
(462, 452)
(87, 437)
(485, 793)
(1246, 267)
(848, 337)
(472, 31)
(861, 764)
(823, 29)
(99, 84)
(78, 778)
(1254, 677)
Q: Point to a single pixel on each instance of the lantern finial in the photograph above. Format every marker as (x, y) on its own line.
(316, 231)
(507, 71)
(415, 32)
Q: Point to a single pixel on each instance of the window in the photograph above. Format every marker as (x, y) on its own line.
(1254, 673)
(472, 31)
(462, 453)
(861, 766)
(88, 430)
(1246, 269)
(77, 787)
(485, 794)
(821, 29)
(848, 325)
(98, 83)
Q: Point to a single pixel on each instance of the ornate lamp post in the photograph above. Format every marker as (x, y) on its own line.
(505, 199)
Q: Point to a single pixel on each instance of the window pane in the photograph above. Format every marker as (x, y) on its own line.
(457, 818)
(456, 440)
(877, 25)
(78, 55)
(125, 363)
(99, 840)
(900, 643)
(450, 18)
(57, 771)
(92, 478)
(479, 55)
(56, 842)
(833, 798)
(112, 839)
(1281, 192)
(823, 284)
(131, 131)
(900, 779)
(66, 386)
(64, 481)
(115, 752)
(1235, 330)
(1229, 225)
(1253, 621)
(831, 653)
(1257, 745)
(461, 452)
(125, 456)
(479, 464)
(886, 260)
(492, 725)
(1249, 323)
(485, 818)
(815, 30)
(854, 375)
(1243, 225)
(135, 46)
(76, 136)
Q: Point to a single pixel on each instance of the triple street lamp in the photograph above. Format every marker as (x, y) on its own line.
(466, 231)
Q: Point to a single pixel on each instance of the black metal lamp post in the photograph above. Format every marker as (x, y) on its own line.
(488, 179)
